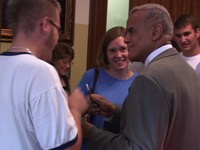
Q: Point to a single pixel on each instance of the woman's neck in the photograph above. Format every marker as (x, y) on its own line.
(120, 74)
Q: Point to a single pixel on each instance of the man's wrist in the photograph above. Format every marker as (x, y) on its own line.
(112, 111)
(113, 108)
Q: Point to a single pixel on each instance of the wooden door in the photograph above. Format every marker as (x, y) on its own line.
(97, 28)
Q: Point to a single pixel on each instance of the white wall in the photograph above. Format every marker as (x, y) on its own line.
(82, 12)
(80, 41)
(117, 13)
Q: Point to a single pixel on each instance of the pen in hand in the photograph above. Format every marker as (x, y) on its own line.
(93, 104)
(87, 115)
(88, 88)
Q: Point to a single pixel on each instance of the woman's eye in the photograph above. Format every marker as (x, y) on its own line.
(112, 50)
(124, 49)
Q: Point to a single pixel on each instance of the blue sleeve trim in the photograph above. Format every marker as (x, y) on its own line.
(66, 145)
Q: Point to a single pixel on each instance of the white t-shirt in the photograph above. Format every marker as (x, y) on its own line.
(192, 61)
(34, 111)
(198, 70)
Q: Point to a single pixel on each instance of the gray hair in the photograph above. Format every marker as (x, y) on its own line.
(156, 14)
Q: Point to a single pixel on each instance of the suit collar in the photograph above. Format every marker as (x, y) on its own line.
(169, 52)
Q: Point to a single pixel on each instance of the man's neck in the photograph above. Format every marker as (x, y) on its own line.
(191, 53)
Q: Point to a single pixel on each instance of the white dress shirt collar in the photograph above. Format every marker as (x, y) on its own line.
(156, 53)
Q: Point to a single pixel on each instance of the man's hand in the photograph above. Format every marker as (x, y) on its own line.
(101, 105)
(78, 105)
(78, 102)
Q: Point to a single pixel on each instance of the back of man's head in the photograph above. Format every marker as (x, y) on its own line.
(23, 15)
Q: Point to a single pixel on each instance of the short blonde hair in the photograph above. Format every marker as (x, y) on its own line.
(23, 14)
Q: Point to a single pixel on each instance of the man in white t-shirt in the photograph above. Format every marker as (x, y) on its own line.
(186, 35)
(34, 107)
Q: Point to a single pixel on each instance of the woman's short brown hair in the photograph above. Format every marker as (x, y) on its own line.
(110, 35)
(61, 51)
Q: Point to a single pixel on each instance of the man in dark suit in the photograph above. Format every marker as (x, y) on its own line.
(162, 110)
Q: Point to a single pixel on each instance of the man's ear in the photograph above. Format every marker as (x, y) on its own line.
(198, 32)
(45, 28)
(157, 31)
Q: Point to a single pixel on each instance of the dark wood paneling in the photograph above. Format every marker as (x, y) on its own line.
(97, 28)
(175, 7)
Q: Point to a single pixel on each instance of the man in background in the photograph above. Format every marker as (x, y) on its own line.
(186, 36)
(34, 112)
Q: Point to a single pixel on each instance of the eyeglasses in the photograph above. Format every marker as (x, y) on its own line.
(67, 63)
(56, 26)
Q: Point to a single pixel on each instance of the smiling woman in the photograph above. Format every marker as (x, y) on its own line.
(67, 22)
(62, 60)
(114, 75)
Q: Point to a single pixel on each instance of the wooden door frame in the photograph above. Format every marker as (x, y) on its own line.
(97, 28)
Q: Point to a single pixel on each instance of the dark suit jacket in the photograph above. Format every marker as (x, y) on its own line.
(161, 112)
